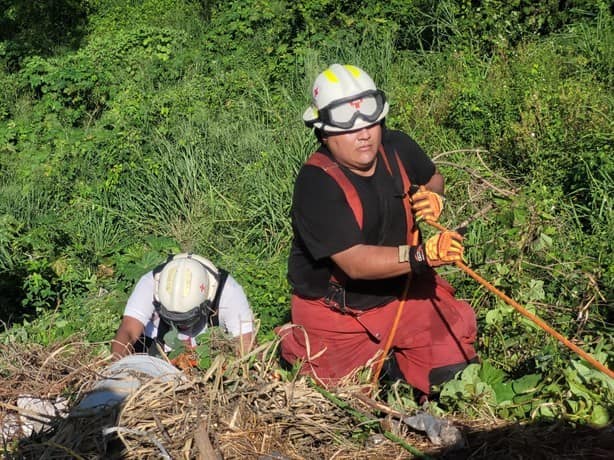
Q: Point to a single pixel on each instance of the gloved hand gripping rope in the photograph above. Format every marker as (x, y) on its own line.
(527, 314)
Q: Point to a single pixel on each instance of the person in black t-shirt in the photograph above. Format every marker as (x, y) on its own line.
(357, 256)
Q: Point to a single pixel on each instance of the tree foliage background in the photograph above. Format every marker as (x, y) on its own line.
(132, 129)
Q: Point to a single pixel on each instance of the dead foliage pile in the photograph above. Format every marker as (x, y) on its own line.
(241, 409)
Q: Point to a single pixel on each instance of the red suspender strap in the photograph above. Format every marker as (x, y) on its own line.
(413, 234)
(332, 169)
(382, 153)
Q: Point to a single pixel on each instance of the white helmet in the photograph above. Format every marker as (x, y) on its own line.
(185, 288)
(345, 98)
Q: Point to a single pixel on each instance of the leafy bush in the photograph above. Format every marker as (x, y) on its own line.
(579, 394)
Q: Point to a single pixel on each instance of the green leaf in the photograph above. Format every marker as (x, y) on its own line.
(502, 269)
(485, 391)
(580, 390)
(470, 374)
(545, 411)
(204, 361)
(455, 389)
(526, 384)
(490, 374)
(536, 290)
(493, 317)
(600, 416)
(523, 398)
(503, 392)
(520, 217)
(542, 242)
(172, 340)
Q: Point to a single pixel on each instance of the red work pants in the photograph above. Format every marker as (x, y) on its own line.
(435, 330)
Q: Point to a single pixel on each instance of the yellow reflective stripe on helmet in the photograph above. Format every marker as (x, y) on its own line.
(355, 71)
(170, 279)
(330, 76)
(187, 283)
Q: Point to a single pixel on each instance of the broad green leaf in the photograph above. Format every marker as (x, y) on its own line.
(588, 374)
(454, 389)
(542, 242)
(485, 391)
(600, 416)
(529, 323)
(490, 374)
(536, 290)
(545, 411)
(172, 340)
(578, 388)
(520, 217)
(503, 392)
(526, 384)
(523, 398)
(553, 388)
(470, 374)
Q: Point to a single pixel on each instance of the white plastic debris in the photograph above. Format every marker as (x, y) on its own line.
(34, 415)
(122, 378)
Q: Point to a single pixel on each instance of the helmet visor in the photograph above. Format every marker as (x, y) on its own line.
(343, 113)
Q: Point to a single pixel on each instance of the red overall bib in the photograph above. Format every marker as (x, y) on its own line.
(435, 330)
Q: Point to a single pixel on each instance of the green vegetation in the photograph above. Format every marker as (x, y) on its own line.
(150, 126)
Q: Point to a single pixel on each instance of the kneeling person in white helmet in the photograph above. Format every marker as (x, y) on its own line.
(187, 293)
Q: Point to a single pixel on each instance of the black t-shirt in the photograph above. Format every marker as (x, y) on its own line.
(324, 224)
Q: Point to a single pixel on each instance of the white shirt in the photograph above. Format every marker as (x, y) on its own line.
(235, 314)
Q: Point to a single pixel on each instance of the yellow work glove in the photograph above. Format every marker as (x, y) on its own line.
(426, 205)
(441, 249)
(444, 248)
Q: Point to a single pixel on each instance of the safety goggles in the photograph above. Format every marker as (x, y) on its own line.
(343, 113)
(185, 320)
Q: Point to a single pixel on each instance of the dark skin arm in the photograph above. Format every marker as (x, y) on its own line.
(126, 336)
(371, 262)
(436, 183)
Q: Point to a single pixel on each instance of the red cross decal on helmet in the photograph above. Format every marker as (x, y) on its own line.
(356, 104)
(316, 90)
(202, 287)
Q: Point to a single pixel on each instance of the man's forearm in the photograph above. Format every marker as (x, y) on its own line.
(371, 262)
(121, 345)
